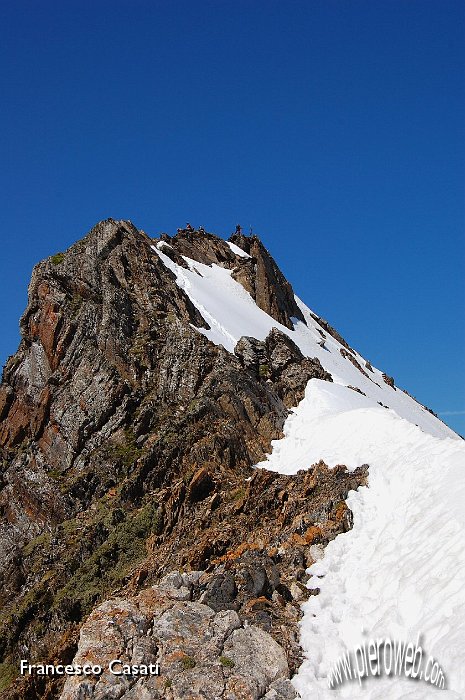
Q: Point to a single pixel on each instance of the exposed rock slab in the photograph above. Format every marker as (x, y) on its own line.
(201, 653)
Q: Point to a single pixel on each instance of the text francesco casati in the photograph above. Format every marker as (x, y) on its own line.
(115, 667)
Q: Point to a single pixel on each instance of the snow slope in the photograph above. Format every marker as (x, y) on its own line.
(401, 569)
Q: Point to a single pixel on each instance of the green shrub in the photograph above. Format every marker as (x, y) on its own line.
(226, 661)
(187, 662)
(239, 493)
(58, 258)
(113, 560)
(55, 474)
(41, 542)
(76, 303)
(8, 673)
(127, 452)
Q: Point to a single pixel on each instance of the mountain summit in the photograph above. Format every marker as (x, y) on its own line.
(153, 376)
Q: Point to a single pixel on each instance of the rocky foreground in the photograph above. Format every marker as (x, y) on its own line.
(131, 520)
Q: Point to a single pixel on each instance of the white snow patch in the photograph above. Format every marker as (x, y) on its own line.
(163, 244)
(237, 251)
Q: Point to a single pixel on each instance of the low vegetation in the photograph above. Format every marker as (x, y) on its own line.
(58, 258)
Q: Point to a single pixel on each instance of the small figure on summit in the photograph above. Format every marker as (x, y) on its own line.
(238, 229)
(189, 228)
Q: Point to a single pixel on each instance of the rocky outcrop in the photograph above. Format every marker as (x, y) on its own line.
(278, 360)
(109, 359)
(262, 278)
(192, 650)
(389, 380)
(349, 356)
(126, 445)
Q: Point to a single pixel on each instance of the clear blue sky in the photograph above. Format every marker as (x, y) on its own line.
(334, 127)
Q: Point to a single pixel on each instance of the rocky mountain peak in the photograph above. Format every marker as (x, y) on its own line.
(263, 279)
(251, 265)
(127, 441)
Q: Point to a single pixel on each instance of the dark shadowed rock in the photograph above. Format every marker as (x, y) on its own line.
(200, 486)
(221, 592)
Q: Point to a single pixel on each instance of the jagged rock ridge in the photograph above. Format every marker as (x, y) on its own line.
(126, 438)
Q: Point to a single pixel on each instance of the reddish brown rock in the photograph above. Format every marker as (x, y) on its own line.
(201, 485)
(389, 380)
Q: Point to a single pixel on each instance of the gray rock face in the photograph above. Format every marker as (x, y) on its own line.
(200, 653)
(126, 445)
(258, 659)
(279, 361)
(281, 690)
(72, 384)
